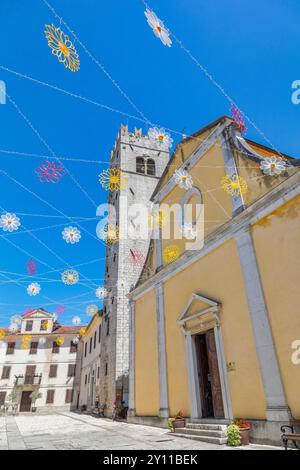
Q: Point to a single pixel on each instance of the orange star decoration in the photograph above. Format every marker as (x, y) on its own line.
(113, 179)
(171, 253)
(62, 47)
(82, 331)
(60, 341)
(112, 234)
(234, 185)
(2, 334)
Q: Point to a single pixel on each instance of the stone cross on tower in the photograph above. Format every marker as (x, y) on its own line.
(142, 163)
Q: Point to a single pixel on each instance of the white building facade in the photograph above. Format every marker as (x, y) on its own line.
(42, 356)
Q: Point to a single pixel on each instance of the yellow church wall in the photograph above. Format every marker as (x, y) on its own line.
(277, 245)
(217, 203)
(146, 357)
(216, 276)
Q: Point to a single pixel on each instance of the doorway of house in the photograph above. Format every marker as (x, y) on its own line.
(209, 376)
(25, 404)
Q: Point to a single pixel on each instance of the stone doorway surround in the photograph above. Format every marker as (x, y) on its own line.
(200, 315)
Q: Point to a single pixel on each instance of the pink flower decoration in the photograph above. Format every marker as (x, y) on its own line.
(60, 309)
(238, 116)
(50, 171)
(136, 258)
(31, 267)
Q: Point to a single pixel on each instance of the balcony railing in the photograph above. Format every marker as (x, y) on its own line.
(28, 379)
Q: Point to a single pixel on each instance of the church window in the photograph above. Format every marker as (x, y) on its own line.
(150, 167)
(140, 165)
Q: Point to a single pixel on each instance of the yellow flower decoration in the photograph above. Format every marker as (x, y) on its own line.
(234, 185)
(70, 277)
(25, 345)
(60, 341)
(82, 331)
(2, 334)
(171, 253)
(26, 338)
(113, 179)
(62, 47)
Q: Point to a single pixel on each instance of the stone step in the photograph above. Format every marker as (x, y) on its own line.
(208, 439)
(208, 427)
(201, 432)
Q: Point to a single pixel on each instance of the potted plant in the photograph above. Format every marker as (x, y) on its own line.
(233, 435)
(34, 396)
(244, 428)
(178, 421)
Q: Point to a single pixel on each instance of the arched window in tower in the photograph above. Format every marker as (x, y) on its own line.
(140, 165)
(150, 167)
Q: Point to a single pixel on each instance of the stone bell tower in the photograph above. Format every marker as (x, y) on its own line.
(142, 163)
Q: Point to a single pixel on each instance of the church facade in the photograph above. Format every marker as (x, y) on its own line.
(214, 331)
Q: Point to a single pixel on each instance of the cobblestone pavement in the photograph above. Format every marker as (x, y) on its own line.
(71, 431)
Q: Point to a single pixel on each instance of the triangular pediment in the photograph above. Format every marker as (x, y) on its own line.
(38, 313)
(196, 306)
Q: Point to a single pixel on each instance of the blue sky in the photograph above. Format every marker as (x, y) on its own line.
(251, 48)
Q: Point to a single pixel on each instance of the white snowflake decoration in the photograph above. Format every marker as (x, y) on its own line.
(183, 179)
(189, 231)
(101, 292)
(273, 166)
(9, 222)
(71, 235)
(13, 328)
(33, 289)
(76, 320)
(160, 136)
(158, 27)
(42, 340)
(91, 310)
(75, 340)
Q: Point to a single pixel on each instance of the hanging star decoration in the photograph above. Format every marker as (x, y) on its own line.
(70, 277)
(92, 310)
(71, 235)
(234, 185)
(2, 334)
(50, 171)
(273, 166)
(44, 325)
(160, 136)
(62, 47)
(238, 117)
(158, 27)
(26, 341)
(9, 222)
(113, 179)
(33, 289)
(171, 253)
(31, 267)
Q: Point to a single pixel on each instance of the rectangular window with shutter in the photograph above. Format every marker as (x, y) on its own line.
(50, 397)
(53, 371)
(91, 344)
(29, 325)
(71, 370)
(85, 349)
(73, 347)
(99, 334)
(6, 372)
(33, 347)
(29, 374)
(55, 348)
(2, 398)
(95, 339)
(69, 395)
(10, 348)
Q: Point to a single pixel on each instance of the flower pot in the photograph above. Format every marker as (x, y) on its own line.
(245, 436)
(179, 423)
